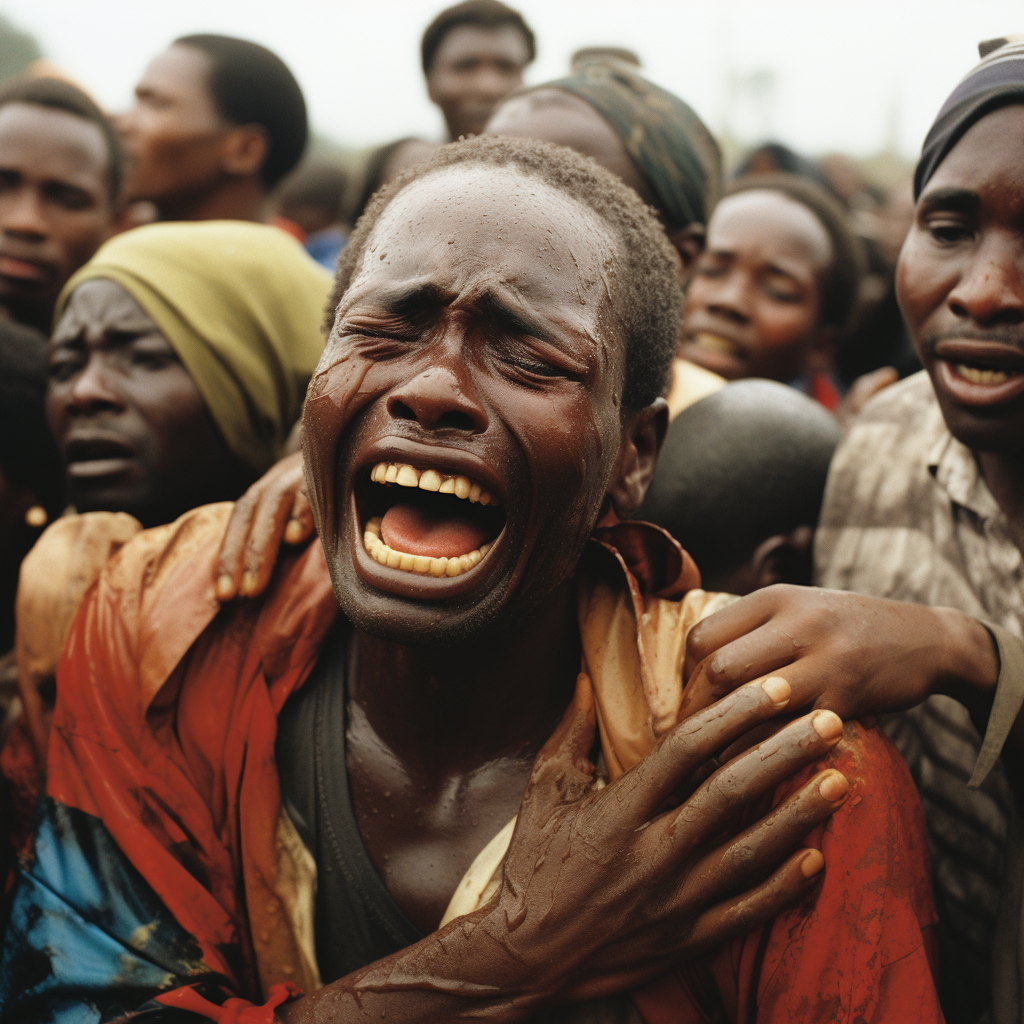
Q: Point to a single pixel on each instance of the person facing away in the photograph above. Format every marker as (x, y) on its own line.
(285, 792)
(60, 183)
(473, 55)
(739, 483)
(217, 123)
(776, 287)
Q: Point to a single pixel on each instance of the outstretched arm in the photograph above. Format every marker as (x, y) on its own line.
(860, 655)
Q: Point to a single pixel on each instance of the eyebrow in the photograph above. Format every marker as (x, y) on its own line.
(961, 200)
(410, 300)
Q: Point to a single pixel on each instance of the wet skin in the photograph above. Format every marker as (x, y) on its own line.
(181, 154)
(497, 360)
(134, 430)
(478, 337)
(473, 69)
(55, 208)
(753, 305)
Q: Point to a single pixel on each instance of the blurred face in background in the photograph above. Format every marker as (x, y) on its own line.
(174, 134)
(473, 69)
(55, 206)
(754, 305)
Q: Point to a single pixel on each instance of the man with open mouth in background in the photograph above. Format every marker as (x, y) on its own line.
(438, 770)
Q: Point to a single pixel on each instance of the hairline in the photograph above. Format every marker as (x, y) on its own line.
(49, 108)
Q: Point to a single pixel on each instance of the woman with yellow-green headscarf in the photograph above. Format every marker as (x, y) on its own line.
(179, 362)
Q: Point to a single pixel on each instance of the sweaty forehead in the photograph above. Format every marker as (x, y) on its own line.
(475, 223)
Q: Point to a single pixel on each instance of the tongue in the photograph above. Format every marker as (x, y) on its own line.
(418, 532)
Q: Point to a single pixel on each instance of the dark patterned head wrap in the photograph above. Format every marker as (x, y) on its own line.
(667, 141)
(997, 81)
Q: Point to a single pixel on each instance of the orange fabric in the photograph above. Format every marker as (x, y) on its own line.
(165, 730)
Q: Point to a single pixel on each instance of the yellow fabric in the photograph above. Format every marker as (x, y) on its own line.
(241, 304)
(632, 672)
(690, 383)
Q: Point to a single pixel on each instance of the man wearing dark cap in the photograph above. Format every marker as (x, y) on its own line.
(925, 504)
(473, 56)
(60, 177)
(217, 123)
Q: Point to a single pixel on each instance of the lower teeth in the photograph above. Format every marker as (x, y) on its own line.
(976, 376)
(425, 565)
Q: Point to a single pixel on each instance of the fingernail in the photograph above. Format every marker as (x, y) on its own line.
(828, 725)
(248, 581)
(833, 786)
(777, 689)
(225, 588)
(812, 863)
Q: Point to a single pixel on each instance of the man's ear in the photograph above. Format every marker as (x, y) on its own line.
(246, 147)
(784, 559)
(689, 242)
(642, 435)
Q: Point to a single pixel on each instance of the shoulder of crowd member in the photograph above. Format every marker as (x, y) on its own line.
(862, 948)
(899, 426)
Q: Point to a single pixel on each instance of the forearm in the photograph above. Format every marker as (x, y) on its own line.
(459, 973)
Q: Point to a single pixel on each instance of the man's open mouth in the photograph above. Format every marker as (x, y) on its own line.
(427, 521)
(979, 372)
(980, 375)
(709, 342)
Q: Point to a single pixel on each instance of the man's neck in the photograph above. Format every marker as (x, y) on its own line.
(229, 199)
(1004, 475)
(453, 709)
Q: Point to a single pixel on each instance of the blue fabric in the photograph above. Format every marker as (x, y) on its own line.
(325, 245)
(88, 941)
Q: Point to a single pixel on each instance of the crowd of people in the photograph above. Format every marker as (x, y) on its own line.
(538, 577)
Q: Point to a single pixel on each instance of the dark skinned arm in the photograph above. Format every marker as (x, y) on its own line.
(273, 509)
(603, 889)
(853, 654)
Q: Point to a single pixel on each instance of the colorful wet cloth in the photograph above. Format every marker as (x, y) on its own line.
(242, 306)
(996, 82)
(167, 879)
(669, 143)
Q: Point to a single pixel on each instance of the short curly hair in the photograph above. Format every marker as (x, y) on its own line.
(646, 294)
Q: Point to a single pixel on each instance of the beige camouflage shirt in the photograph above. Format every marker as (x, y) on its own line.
(907, 515)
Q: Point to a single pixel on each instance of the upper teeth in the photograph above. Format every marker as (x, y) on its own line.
(976, 376)
(714, 343)
(431, 480)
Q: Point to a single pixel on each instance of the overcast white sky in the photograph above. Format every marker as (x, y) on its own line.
(841, 75)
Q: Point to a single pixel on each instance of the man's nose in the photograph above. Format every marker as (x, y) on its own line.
(22, 214)
(93, 390)
(438, 398)
(991, 291)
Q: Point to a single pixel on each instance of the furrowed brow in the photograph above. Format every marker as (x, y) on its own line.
(954, 200)
(408, 301)
(512, 320)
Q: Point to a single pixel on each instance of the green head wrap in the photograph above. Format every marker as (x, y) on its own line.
(241, 304)
(668, 142)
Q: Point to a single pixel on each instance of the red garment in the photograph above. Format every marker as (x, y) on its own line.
(165, 726)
